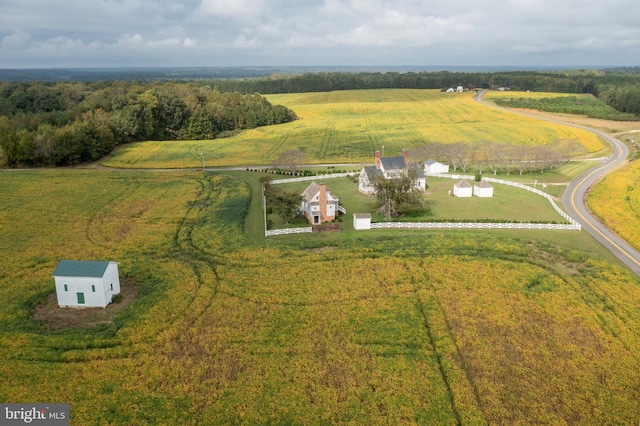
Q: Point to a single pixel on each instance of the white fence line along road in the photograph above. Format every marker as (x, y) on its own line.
(316, 177)
(472, 225)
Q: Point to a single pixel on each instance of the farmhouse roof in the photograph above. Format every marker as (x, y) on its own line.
(463, 184)
(372, 171)
(311, 191)
(81, 268)
(393, 163)
(430, 162)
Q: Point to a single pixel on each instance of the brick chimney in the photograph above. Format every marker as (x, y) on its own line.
(378, 162)
(322, 201)
(405, 154)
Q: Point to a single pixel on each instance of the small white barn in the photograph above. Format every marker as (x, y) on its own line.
(361, 221)
(483, 189)
(462, 189)
(86, 283)
(435, 167)
(460, 89)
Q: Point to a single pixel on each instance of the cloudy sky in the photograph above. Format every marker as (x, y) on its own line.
(137, 33)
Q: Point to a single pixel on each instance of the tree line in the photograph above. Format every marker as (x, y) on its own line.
(68, 123)
(495, 157)
(620, 89)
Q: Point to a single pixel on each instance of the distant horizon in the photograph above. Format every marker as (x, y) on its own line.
(147, 73)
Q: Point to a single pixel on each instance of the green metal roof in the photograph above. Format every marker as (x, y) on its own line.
(81, 268)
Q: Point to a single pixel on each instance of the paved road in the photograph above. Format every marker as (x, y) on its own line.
(573, 197)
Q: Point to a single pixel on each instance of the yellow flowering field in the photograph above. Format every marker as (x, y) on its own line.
(349, 126)
(616, 201)
(334, 328)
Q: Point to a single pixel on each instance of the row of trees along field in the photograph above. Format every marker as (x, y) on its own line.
(620, 89)
(495, 157)
(67, 123)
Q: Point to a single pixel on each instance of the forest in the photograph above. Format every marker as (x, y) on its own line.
(43, 124)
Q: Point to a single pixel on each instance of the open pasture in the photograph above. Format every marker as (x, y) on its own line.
(349, 126)
(376, 327)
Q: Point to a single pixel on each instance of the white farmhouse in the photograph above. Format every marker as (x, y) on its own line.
(390, 168)
(483, 189)
(318, 205)
(462, 189)
(435, 167)
(86, 283)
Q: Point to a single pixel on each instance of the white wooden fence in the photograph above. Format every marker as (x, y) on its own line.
(472, 225)
(285, 231)
(317, 177)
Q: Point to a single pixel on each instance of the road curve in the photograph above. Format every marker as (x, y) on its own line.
(574, 195)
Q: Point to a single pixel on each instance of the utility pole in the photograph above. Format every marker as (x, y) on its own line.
(202, 155)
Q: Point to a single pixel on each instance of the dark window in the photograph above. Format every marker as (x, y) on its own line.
(80, 298)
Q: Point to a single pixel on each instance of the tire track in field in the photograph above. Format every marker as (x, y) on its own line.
(441, 358)
(127, 192)
(185, 251)
(277, 148)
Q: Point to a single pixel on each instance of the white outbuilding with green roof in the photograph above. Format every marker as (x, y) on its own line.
(86, 283)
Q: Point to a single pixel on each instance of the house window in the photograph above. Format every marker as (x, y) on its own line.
(111, 286)
(93, 288)
(66, 288)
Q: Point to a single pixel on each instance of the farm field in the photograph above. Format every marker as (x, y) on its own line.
(616, 201)
(382, 327)
(349, 126)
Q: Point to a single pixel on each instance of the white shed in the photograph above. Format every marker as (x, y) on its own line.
(483, 189)
(462, 189)
(86, 283)
(435, 167)
(361, 221)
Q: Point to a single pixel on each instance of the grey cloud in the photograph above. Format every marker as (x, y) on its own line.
(317, 32)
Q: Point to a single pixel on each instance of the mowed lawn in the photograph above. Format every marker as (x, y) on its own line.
(349, 126)
(507, 204)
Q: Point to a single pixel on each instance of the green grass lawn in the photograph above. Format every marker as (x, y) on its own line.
(507, 204)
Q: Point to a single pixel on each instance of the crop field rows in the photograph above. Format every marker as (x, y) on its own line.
(349, 126)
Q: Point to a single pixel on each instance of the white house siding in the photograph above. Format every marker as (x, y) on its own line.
(361, 221)
(435, 167)
(462, 189)
(483, 189)
(75, 285)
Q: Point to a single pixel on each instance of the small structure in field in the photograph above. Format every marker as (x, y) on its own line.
(86, 283)
(483, 189)
(318, 205)
(435, 167)
(462, 189)
(361, 221)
